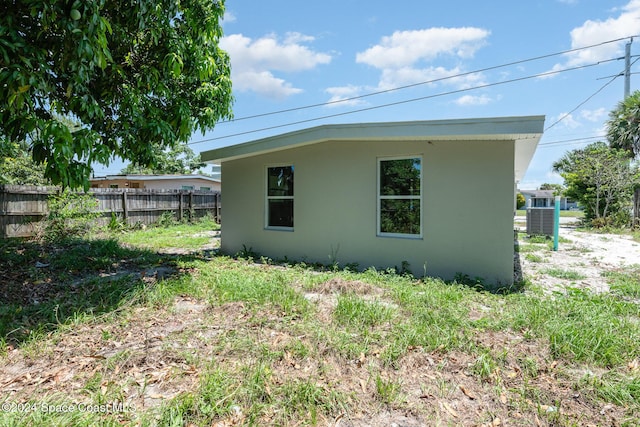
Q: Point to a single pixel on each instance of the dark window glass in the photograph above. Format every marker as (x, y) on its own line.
(280, 213)
(400, 216)
(280, 181)
(280, 196)
(400, 177)
(400, 196)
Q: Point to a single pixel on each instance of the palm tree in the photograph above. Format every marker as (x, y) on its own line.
(623, 131)
(623, 126)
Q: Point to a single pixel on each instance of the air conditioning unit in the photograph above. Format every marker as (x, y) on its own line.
(540, 221)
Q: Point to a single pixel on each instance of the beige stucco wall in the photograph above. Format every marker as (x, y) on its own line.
(177, 184)
(467, 207)
(165, 184)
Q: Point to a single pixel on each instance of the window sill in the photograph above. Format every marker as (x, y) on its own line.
(401, 236)
(290, 229)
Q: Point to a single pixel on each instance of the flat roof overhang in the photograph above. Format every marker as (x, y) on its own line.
(525, 131)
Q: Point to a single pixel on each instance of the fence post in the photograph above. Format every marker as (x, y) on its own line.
(180, 205)
(215, 207)
(125, 206)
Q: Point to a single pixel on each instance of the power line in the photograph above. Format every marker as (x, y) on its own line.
(355, 98)
(582, 103)
(571, 141)
(548, 73)
(589, 98)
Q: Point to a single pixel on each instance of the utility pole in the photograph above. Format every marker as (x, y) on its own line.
(627, 69)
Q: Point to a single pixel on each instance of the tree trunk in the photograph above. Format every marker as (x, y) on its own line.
(636, 206)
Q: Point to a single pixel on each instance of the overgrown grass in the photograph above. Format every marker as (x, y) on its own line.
(563, 273)
(244, 381)
(190, 236)
(49, 285)
(625, 281)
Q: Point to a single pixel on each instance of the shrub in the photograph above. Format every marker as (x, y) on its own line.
(71, 215)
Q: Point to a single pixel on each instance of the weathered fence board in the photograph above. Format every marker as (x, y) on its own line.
(23, 207)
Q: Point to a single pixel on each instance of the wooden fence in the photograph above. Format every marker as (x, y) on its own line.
(22, 207)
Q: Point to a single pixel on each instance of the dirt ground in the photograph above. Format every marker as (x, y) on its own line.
(146, 364)
(590, 254)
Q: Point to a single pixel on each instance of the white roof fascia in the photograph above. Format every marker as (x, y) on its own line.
(526, 131)
(500, 128)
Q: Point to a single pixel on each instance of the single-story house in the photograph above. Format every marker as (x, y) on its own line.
(546, 199)
(409, 194)
(157, 182)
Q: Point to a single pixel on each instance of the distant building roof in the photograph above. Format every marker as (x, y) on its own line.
(539, 194)
(152, 177)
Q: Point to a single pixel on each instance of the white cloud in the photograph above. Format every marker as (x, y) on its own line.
(263, 83)
(228, 17)
(565, 120)
(471, 100)
(253, 61)
(405, 48)
(627, 23)
(404, 57)
(594, 115)
(340, 94)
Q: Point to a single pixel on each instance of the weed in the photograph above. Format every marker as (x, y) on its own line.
(534, 258)
(247, 253)
(613, 387)
(352, 310)
(625, 282)
(306, 398)
(563, 274)
(333, 257)
(538, 238)
(71, 215)
(484, 366)
(167, 219)
(464, 279)
(387, 391)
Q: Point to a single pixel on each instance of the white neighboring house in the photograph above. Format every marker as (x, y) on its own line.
(158, 182)
(546, 199)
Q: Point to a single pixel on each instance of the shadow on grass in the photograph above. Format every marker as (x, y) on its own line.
(44, 285)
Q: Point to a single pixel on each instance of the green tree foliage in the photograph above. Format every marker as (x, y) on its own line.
(137, 77)
(180, 160)
(558, 189)
(17, 166)
(623, 127)
(520, 201)
(601, 179)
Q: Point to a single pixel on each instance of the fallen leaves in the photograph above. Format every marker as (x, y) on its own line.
(467, 392)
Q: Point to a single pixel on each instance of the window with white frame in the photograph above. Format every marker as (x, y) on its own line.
(400, 197)
(279, 210)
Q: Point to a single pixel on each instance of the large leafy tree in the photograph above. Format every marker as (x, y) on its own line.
(17, 166)
(623, 127)
(137, 77)
(558, 189)
(601, 179)
(180, 160)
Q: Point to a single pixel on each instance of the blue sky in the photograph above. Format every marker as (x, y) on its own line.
(287, 55)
